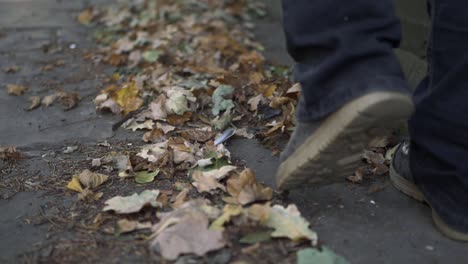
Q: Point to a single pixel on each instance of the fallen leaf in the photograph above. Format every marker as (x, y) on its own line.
(205, 183)
(379, 142)
(145, 176)
(127, 98)
(127, 226)
(178, 120)
(228, 212)
(154, 152)
(91, 179)
(245, 189)
(286, 222)
(255, 101)
(296, 88)
(133, 203)
(256, 237)
(35, 102)
(17, 90)
(151, 55)
(181, 156)
(256, 78)
(85, 17)
(358, 176)
(96, 162)
(373, 158)
(180, 199)
(155, 135)
(68, 99)
(177, 101)
(123, 165)
(75, 185)
(322, 256)
(165, 128)
(12, 69)
(220, 173)
(49, 100)
(244, 133)
(197, 135)
(277, 102)
(158, 111)
(109, 105)
(184, 231)
(221, 122)
(89, 195)
(220, 103)
(70, 149)
(134, 125)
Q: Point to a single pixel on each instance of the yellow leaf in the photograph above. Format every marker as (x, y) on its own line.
(228, 212)
(75, 185)
(127, 98)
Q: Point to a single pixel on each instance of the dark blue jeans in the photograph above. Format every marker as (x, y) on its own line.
(344, 49)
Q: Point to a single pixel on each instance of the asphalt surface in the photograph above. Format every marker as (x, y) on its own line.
(365, 227)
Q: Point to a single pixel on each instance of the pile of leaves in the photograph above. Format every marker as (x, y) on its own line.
(191, 76)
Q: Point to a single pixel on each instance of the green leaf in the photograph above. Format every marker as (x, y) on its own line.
(324, 256)
(151, 55)
(256, 237)
(219, 103)
(145, 177)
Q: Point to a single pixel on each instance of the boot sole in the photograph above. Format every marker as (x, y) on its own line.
(334, 150)
(409, 188)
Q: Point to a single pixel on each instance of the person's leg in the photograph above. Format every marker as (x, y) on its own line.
(343, 49)
(439, 127)
(351, 83)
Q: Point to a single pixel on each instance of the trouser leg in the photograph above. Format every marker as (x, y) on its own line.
(439, 127)
(343, 49)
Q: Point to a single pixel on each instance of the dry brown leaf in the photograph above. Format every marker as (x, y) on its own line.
(127, 226)
(373, 157)
(165, 128)
(158, 111)
(48, 100)
(178, 120)
(69, 99)
(245, 188)
(17, 90)
(180, 199)
(35, 102)
(89, 195)
(185, 231)
(256, 78)
(155, 135)
(197, 135)
(277, 102)
(296, 88)
(205, 183)
(358, 176)
(379, 142)
(85, 17)
(255, 101)
(91, 179)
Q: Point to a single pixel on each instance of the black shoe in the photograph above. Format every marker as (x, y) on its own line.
(402, 179)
